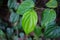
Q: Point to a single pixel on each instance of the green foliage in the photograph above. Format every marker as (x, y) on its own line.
(52, 31)
(19, 24)
(2, 35)
(29, 21)
(52, 4)
(25, 6)
(13, 17)
(37, 31)
(29, 18)
(13, 4)
(48, 16)
(23, 19)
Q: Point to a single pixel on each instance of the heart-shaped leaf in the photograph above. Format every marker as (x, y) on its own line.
(52, 4)
(52, 32)
(48, 16)
(29, 21)
(24, 6)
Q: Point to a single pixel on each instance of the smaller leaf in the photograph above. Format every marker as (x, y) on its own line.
(13, 17)
(48, 16)
(52, 4)
(13, 4)
(37, 31)
(25, 6)
(16, 6)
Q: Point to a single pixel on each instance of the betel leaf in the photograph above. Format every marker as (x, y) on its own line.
(37, 31)
(52, 4)
(24, 6)
(52, 32)
(29, 21)
(48, 15)
(13, 17)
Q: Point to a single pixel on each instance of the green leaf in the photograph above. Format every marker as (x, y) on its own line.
(2, 35)
(52, 4)
(29, 21)
(52, 23)
(25, 6)
(37, 31)
(13, 17)
(13, 4)
(48, 16)
(52, 32)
